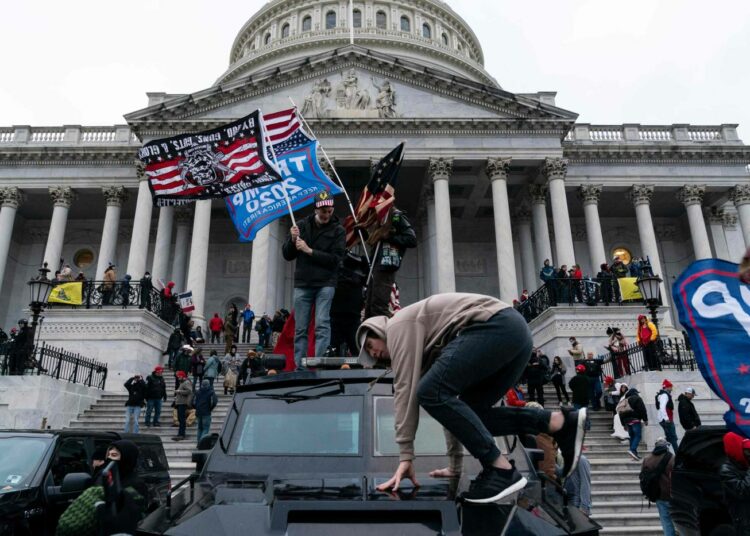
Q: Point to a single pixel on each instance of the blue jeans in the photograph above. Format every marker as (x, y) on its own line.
(665, 517)
(595, 392)
(135, 412)
(635, 431)
(155, 406)
(463, 385)
(670, 434)
(304, 299)
(578, 486)
(182, 419)
(204, 426)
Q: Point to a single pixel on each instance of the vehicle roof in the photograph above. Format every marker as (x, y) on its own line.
(311, 377)
(136, 438)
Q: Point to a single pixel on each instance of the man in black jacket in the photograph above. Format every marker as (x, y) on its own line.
(136, 395)
(634, 418)
(580, 386)
(689, 417)
(535, 379)
(156, 393)
(735, 481)
(391, 242)
(318, 244)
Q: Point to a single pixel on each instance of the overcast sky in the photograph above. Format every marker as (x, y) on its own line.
(641, 61)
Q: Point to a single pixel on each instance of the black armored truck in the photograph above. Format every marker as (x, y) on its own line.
(302, 454)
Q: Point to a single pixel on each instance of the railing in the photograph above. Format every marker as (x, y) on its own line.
(640, 134)
(98, 294)
(667, 353)
(588, 291)
(57, 135)
(53, 362)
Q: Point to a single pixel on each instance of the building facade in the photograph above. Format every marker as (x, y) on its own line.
(494, 181)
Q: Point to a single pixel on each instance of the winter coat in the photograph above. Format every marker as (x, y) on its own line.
(198, 365)
(156, 388)
(211, 369)
(638, 412)
(535, 372)
(247, 317)
(641, 338)
(328, 243)
(254, 365)
(182, 362)
(735, 482)
(559, 370)
(651, 461)
(216, 324)
(392, 249)
(580, 387)
(514, 398)
(229, 326)
(619, 269)
(547, 273)
(205, 400)
(109, 280)
(136, 392)
(175, 341)
(183, 396)
(689, 417)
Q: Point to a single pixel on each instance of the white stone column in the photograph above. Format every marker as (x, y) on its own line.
(641, 196)
(163, 243)
(11, 198)
(740, 196)
(196, 281)
(538, 193)
(141, 230)
(432, 246)
(589, 194)
(439, 171)
(555, 170)
(498, 170)
(62, 197)
(523, 222)
(716, 224)
(183, 217)
(114, 196)
(733, 236)
(264, 268)
(692, 197)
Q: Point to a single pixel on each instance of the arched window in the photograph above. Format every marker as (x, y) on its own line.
(405, 24)
(307, 23)
(357, 18)
(380, 20)
(330, 20)
(285, 31)
(267, 38)
(426, 32)
(445, 39)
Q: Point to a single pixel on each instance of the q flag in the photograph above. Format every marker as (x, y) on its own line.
(216, 163)
(714, 308)
(252, 210)
(67, 293)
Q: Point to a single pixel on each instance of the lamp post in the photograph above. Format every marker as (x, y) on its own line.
(649, 286)
(39, 288)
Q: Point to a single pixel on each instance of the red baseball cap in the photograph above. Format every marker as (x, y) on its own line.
(181, 374)
(666, 384)
(158, 368)
(581, 368)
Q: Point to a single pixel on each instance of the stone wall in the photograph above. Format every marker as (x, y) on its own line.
(25, 401)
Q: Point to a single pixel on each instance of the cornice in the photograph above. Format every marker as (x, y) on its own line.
(67, 156)
(673, 154)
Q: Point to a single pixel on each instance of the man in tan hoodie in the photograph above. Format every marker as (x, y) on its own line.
(456, 355)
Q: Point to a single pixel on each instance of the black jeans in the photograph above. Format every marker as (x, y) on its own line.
(246, 331)
(536, 393)
(651, 357)
(181, 419)
(470, 376)
(559, 383)
(379, 293)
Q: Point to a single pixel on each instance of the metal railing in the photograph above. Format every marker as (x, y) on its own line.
(663, 353)
(98, 294)
(587, 291)
(54, 362)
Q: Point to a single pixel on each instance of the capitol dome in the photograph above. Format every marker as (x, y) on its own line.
(427, 31)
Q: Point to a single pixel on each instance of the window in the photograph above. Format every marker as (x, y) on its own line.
(380, 20)
(426, 32)
(405, 24)
(20, 460)
(430, 440)
(324, 427)
(330, 20)
(285, 31)
(357, 18)
(70, 458)
(267, 38)
(445, 39)
(307, 23)
(83, 258)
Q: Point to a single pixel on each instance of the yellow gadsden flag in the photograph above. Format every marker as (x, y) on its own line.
(628, 289)
(67, 293)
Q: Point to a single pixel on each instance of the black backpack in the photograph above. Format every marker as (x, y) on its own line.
(650, 478)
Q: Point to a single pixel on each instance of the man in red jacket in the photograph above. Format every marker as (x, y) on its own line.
(215, 325)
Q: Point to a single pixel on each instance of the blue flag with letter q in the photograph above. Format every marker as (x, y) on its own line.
(252, 210)
(714, 308)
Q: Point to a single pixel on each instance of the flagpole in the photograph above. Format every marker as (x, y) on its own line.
(372, 266)
(276, 163)
(351, 22)
(335, 174)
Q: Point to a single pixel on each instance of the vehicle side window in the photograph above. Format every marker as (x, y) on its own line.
(151, 459)
(69, 458)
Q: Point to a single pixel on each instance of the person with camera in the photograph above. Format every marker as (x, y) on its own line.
(136, 396)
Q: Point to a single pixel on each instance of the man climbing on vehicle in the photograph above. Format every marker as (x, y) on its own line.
(456, 355)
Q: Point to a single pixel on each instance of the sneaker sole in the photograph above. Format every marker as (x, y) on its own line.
(517, 486)
(580, 436)
(635, 457)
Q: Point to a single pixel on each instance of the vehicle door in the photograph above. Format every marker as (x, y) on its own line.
(69, 457)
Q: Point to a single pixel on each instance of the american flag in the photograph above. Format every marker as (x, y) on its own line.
(377, 198)
(285, 131)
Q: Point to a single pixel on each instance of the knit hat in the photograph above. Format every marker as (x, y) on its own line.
(666, 384)
(324, 199)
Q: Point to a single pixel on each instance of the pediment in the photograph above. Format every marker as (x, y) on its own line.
(352, 84)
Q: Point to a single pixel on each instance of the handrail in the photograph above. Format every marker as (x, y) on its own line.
(51, 361)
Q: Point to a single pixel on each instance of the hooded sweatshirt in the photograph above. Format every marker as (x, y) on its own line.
(689, 417)
(414, 337)
(735, 481)
(645, 333)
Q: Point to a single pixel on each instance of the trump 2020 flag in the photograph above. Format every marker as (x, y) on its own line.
(215, 163)
(252, 210)
(714, 308)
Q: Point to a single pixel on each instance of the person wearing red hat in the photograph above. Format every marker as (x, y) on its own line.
(580, 386)
(156, 393)
(665, 407)
(182, 399)
(735, 481)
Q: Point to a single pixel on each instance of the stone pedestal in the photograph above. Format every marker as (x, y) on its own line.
(129, 341)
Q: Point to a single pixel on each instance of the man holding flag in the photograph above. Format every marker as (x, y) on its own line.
(317, 243)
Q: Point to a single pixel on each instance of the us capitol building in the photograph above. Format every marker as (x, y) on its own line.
(494, 181)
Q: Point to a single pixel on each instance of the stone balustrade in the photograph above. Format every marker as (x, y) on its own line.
(68, 135)
(640, 134)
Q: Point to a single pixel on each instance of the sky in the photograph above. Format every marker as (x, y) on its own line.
(641, 61)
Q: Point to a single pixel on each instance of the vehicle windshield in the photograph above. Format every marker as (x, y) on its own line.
(19, 460)
(430, 440)
(319, 427)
